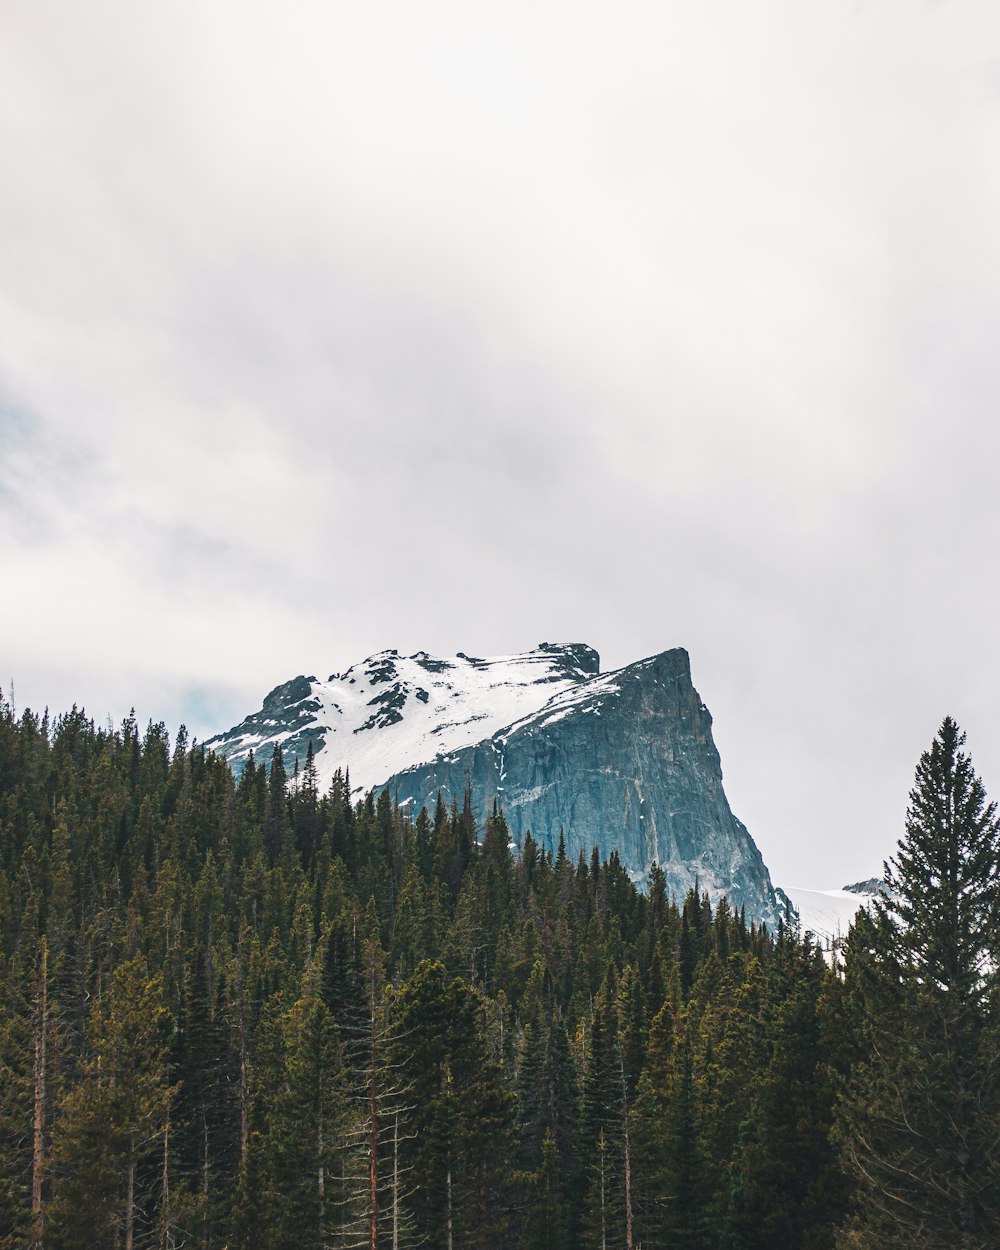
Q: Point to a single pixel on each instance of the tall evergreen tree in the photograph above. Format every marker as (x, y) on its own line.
(111, 1124)
(920, 1122)
(276, 818)
(304, 1134)
(786, 1188)
(462, 1118)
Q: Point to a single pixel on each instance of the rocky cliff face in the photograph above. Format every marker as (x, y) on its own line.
(623, 761)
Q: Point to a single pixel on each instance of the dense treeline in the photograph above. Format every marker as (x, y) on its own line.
(250, 1014)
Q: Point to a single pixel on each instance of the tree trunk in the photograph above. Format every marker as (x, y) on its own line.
(320, 1170)
(628, 1168)
(628, 1189)
(395, 1183)
(343, 1204)
(449, 1209)
(373, 1129)
(604, 1215)
(244, 1091)
(450, 1221)
(165, 1188)
(204, 1175)
(130, 1195)
(38, 1144)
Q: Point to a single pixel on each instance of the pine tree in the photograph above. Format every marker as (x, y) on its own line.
(545, 1227)
(16, 1079)
(304, 1133)
(112, 1123)
(786, 1187)
(546, 1091)
(306, 812)
(603, 1122)
(919, 1122)
(684, 1218)
(462, 1119)
(206, 1117)
(276, 818)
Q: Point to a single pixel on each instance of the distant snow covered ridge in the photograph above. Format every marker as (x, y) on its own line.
(623, 762)
(391, 712)
(828, 914)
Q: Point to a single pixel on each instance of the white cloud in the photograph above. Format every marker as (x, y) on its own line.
(444, 326)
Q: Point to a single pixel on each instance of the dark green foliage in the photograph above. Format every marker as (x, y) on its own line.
(264, 1000)
(546, 1224)
(112, 1121)
(303, 1127)
(786, 1188)
(16, 1073)
(461, 1116)
(276, 812)
(920, 1120)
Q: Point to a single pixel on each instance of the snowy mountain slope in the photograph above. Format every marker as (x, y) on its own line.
(391, 711)
(827, 914)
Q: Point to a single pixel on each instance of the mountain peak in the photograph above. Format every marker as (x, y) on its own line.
(623, 760)
(574, 654)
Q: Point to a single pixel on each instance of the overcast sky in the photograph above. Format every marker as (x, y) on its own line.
(330, 327)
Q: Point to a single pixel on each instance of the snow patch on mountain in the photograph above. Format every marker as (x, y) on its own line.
(827, 914)
(391, 712)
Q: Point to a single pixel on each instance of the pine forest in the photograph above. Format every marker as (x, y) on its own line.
(246, 1014)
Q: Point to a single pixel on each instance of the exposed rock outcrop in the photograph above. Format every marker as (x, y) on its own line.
(624, 762)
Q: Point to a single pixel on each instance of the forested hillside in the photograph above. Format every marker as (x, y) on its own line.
(247, 1014)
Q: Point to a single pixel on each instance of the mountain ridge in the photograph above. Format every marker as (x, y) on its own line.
(623, 760)
(390, 711)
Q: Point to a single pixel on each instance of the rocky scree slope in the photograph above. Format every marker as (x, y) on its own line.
(624, 761)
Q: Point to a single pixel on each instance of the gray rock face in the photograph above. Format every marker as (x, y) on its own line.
(623, 762)
(872, 886)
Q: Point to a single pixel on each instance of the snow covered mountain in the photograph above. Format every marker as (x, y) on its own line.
(390, 711)
(623, 761)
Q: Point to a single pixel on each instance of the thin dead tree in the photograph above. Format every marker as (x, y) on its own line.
(374, 1192)
(40, 1031)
